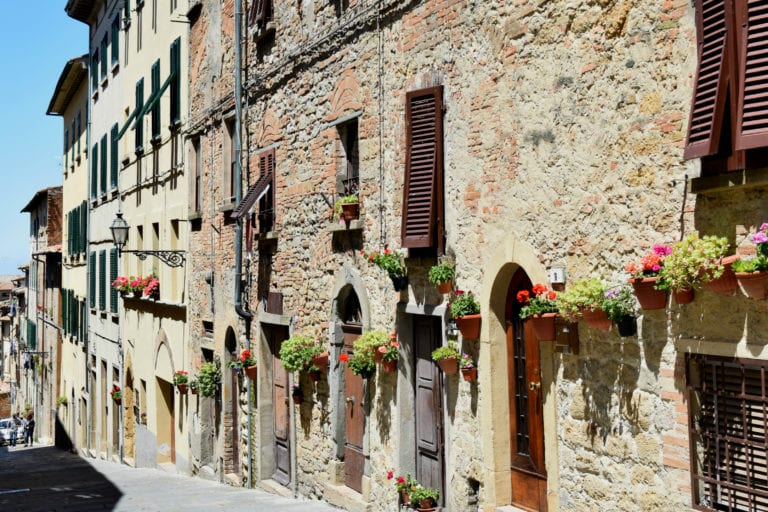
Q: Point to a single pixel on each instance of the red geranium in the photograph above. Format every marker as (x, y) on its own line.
(344, 357)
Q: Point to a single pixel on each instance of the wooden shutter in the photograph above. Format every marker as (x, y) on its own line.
(752, 113)
(82, 232)
(102, 279)
(176, 81)
(422, 188)
(267, 203)
(94, 170)
(95, 71)
(113, 159)
(139, 124)
(103, 188)
(92, 280)
(116, 39)
(156, 105)
(112, 277)
(103, 50)
(711, 83)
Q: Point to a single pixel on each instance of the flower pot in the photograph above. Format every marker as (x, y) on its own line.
(350, 212)
(726, 284)
(182, 388)
(297, 399)
(321, 361)
(426, 505)
(250, 372)
(399, 282)
(647, 295)
(544, 326)
(753, 284)
(627, 326)
(597, 319)
(136, 294)
(315, 376)
(193, 390)
(378, 356)
(405, 497)
(389, 366)
(469, 325)
(445, 287)
(449, 365)
(469, 374)
(117, 400)
(684, 296)
(367, 374)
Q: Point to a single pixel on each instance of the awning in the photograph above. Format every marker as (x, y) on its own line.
(255, 193)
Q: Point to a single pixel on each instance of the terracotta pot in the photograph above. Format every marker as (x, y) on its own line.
(378, 357)
(405, 498)
(250, 372)
(117, 400)
(469, 374)
(627, 326)
(597, 319)
(445, 287)
(426, 505)
(182, 388)
(193, 390)
(389, 366)
(321, 361)
(350, 211)
(753, 284)
(726, 284)
(647, 295)
(399, 282)
(544, 326)
(469, 325)
(449, 365)
(684, 296)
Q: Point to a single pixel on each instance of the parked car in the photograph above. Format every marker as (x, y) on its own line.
(6, 427)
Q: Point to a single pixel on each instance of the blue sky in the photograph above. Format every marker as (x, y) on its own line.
(36, 40)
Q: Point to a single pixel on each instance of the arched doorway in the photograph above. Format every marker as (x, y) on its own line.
(233, 464)
(526, 424)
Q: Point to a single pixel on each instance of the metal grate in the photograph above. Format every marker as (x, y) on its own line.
(727, 428)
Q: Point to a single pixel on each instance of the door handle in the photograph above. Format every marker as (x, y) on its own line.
(534, 386)
(350, 400)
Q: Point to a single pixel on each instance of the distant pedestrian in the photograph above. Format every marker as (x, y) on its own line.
(30, 431)
(15, 424)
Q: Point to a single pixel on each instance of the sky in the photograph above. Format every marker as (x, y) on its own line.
(36, 41)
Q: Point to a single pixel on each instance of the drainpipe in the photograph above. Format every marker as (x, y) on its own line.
(246, 315)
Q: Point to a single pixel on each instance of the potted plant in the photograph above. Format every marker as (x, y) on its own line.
(390, 354)
(347, 208)
(180, 379)
(209, 377)
(447, 358)
(403, 484)
(584, 297)
(128, 285)
(693, 261)
(619, 305)
(442, 276)
(116, 394)
(152, 288)
(392, 263)
(62, 400)
(465, 310)
(297, 395)
(194, 386)
(298, 351)
(645, 278)
(248, 363)
(468, 367)
(540, 309)
(425, 498)
(752, 274)
(361, 362)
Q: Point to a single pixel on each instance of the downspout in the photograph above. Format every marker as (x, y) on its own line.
(246, 315)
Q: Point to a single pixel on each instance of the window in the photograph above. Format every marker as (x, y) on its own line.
(156, 104)
(423, 187)
(139, 123)
(728, 413)
(228, 194)
(113, 161)
(350, 159)
(103, 50)
(261, 13)
(176, 82)
(72, 142)
(66, 150)
(92, 280)
(267, 202)
(112, 277)
(94, 169)
(103, 280)
(103, 188)
(79, 131)
(116, 39)
(728, 126)
(95, 71)
(197, 161)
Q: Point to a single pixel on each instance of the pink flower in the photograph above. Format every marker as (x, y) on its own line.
(760, 237)
(390, 474)
(662, 250)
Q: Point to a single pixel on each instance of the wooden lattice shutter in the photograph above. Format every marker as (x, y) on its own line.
(103, 188)
(752, 114)
(95, 170)
(112, 277)
(267, 203)
(113, 157)
(422, 188)
(92, 279)
(102, 280)
(711, 84)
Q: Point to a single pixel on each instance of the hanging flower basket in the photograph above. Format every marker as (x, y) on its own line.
(684, 296)
(250, 372)
(753, 284)
(469, 374)
(399, 282)
(544, 326)
(597, 319)
(449, 365)
(627, 326)
(726, 284)
(469, 325)
(647, 295)
(321, 361)
(445, 287)
(183, 388)
(389, 366)
(350, 212)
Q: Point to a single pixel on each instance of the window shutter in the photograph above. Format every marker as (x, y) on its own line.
(112, 277)
(66, 150)
(102, 279)
(79, 131)
(156, 105)
(72, 142)
(103, 164)
(95, 71)
(711, 83)
(113, 160)
(116, 39)
(103, 50)
(83, 231)
(267, 164)
(92, 280)
(176, 81)
(752, 116)
(139, 125)
(422, 188)
(94, 170)
(65, 311)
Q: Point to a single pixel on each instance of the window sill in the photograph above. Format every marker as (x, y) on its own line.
(228, 207)
(729, 181)
(355, 225)
(193, 215)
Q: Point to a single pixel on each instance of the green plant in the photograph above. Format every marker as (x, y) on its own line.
(464, 304)
(350, 199)
(194, 385)
(373, 339)
(386, 260)
(180, 377)
(362, 361)
(116, 393)
(419, 493)
(543, 301)
(446, 351)
(244, 361)
(650, 264)
(390, 352)
(619, 302)
(760, 262)
(466, 362)
(585, 292)
(296, 353)
(209, 377)
(403, 483)
(693, 260)
(62, 400)
(441, 273)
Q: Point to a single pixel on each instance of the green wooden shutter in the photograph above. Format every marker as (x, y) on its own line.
(82, 232)
(103, 50)
(139, 124)
(79, 131)
(92, 280)
(176, 81)
(72, 141)
(66, 150)
(94, 170)
(102, 280)
(113, 160)
(95, 71)
(103, 164)
(65, 311)
(112, 277)
(156, 105)
(116, 39)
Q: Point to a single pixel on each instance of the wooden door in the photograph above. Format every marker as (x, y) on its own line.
(430, 463)
(280, 399)
(234, 411)
(526, 425)
(354, 419)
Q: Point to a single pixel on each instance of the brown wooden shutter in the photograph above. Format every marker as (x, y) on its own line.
(267, 203)
(752, 116)
(422, 188)
(711, 84)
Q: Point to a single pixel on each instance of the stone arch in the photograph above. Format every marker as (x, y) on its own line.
(512, 254)
(346, 96)
(164, 367)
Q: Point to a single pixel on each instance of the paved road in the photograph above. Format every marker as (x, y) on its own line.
(48, 479)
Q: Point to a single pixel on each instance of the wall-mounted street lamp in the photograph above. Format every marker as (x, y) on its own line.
(119, 229)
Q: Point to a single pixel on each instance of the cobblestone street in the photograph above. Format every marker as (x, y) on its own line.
(48, 479)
